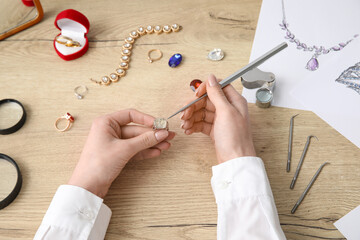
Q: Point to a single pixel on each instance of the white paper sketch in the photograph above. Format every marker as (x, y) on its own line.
(319, 23)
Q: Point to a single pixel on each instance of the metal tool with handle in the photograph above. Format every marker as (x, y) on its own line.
(239, 73)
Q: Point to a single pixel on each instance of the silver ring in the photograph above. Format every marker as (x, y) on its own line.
(80, 91)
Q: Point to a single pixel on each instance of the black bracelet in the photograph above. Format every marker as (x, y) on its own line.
(11, 197)
(19, 124)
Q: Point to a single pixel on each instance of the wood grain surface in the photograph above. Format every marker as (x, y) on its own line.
(169, 197)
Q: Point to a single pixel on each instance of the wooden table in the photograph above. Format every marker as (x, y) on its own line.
(169, 197)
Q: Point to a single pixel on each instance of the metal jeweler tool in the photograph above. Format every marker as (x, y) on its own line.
(301, 161)
(239, 73)
(290, 142)
(265, 81)
(308, 188)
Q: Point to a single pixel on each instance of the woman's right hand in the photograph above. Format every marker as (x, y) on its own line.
(223, 116)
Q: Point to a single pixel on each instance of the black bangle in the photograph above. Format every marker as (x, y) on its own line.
(11, 197)
(19, 124)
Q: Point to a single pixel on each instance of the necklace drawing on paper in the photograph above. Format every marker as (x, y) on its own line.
(313, 63)
(351, 77)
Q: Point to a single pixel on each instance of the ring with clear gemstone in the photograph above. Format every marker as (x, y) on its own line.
(216, 55)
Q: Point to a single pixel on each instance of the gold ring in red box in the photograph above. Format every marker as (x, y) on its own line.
(70, 119)
(72, 41)
(67, 41)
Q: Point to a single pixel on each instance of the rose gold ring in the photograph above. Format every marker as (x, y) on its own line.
(70, 119)
(154, 59)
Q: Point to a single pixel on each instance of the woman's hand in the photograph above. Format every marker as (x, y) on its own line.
(112, 143)
(223, 116)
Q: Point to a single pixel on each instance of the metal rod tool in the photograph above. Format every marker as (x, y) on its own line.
(308, 188)
(301, 160)
(239, 73)
(290, 142)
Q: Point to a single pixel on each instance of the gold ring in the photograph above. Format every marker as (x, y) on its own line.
(154, 59)
(68, 41)
(69, 119)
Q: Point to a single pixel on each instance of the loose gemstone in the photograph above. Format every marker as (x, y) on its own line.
(216, 55)
(195, 84)
(312, 64)
(175, 60)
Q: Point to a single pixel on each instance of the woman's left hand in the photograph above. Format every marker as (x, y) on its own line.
(112, 143)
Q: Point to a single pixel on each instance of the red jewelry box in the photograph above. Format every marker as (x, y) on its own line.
(74, 25)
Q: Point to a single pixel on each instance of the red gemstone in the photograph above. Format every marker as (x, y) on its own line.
(71, 118)
(195, 84)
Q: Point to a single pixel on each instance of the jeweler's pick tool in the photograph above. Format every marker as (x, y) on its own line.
(239, 73)
(301, 160)
(308, 187)
(290, 142)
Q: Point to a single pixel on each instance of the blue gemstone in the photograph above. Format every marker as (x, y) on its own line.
(175, 60)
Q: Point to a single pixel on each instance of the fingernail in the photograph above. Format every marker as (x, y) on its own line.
(212, 80)
(182, 114)
(182, 124)
(161, 135)
(196, 91)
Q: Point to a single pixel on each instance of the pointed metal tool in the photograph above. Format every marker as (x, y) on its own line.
(301, 160)
(290, 142)
(308, 188)
(239, 73)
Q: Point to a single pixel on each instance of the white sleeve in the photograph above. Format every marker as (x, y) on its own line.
(246, 208)
(74, 213)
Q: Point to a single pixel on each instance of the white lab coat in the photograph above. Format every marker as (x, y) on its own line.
(246, 208)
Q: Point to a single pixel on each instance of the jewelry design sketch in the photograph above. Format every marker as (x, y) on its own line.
(313, 63)
(126, 50)
(351, 78)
